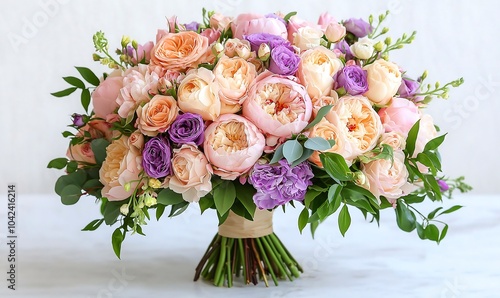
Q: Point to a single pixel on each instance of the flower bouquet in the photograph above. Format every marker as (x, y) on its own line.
(243, 115)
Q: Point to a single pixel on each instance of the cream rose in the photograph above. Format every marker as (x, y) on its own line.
(426, 132)
(181, 51)
(191, 173)
(316, 69)
(355, 118)
(121, 167)
(328, 131)
(394, 139)
(234, 76)
(199, 93)
(384, 79)
(232, 145)
(385, 178)
(157, 115)
(307, 38)
(363, 48)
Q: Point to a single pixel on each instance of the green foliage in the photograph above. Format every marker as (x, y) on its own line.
(224, 196)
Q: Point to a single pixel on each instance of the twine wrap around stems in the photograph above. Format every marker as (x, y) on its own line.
(236, 226)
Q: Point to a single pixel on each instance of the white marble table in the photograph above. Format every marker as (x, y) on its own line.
(56, 259)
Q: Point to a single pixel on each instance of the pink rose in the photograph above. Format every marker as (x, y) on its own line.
(82, 153)
(294, 24)
(191, 173)
(142, 54)
(385, 178)
(232, 145)
(105, 95)
(326, 19)
(246, 24)
(120, 170)
(278, 105)
(399, 116)
(212, 35)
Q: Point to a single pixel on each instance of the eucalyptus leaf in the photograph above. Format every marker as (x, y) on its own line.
(70, 194)
(278, 155)
(292, 150)
(317, 143)
(321, 113)
(58, 163)
(99, 148)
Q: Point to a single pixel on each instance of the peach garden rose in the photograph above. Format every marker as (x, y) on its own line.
(384, 79)
(157, 115)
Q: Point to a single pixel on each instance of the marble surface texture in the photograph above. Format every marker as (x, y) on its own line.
(56, 259)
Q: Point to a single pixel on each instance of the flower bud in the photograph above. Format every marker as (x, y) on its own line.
(264, 52)
(379, 46)
(124, 209)
(135, 44)
(335, 32)
(154, 183)
(125, 40)
(149, 200)
(388, 41)
(243, 51)
(96, 57)
(127, 187)
(217, 49)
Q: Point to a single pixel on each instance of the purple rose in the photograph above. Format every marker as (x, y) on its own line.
(353, 79)
(443, 186)
(278, 184)
(187, 128)
(408, 88)
(270, 39)
(193, 26)
(343, 47)
(78, 120)
(284, 61)
(358, 27)
(156, 158)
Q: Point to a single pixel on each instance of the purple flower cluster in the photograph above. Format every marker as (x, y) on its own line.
(358, 27)
(278, 184)
(284, 60)
(187, 128)
(156, 157)
(353, 79)
(408, 88)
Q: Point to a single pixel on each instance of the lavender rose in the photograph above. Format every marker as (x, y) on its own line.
(408, 88)
(344, 48)
(193, 26)
(278, 184)
(156, 158)
(270, 39)
(187, 128)
(353, 79)
(78, 120)
(358, 27)
(283, 61)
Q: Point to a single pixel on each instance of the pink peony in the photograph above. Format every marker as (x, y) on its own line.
(399, 116)
(105, 95)
(246, 24)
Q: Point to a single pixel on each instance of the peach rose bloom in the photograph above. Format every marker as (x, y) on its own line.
(325, 100)
(394, 139)
(180, 51)
(385, 178)
(212, 35)
(294, 24)
(246, 24)
(97, 129)
(199, 93)
(220, 22)
(232, 44)
(232, 145)
(105, 95)
(316, 70)
(121, 166)
(384, 79)
(307, 38)
(278, 105)
(191, 173)
(234, 76)
(328, 131)
(82, 153)
(138, 83)
(136, 139)
(355, 118)
(399, 116)
(157, 115)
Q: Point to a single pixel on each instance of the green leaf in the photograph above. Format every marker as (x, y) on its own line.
(434, 159)
(67, 134)
(305, 155)
(433, 213)
(93, 225)
(431, 232)
(92, 184)
(206, 202)
(116, 241)
(450, 210)
(311, 194)
(245, 196)
(112, 211)
(405, 218)
(303, 218)
(178, 209)
(85, 99)
(70, 194)
(335, 165)
(75, 82)
(430, 182)
(443, 233)
(99, 148)
(334, 192)
(72, 166)
(58, 163)
(420, 231)
(222, 218)
(321, 113)
(292, 150)
(289, 15)
(344, 220)
(434, 143)
(77, 178)
(317, 143)
(313, 225)
(364, 192)
(224, 197)
(160, 209)
(88, 75)
(64, 92)
(413, 199)
(412, 138)
(278, 155)
(168, 197)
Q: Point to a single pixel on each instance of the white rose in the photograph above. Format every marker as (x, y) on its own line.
(307, 38)
(384, 79)
(363, 48)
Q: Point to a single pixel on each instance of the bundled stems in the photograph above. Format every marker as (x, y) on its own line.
(257, 258)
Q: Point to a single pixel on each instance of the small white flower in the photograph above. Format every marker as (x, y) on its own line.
(363, 48)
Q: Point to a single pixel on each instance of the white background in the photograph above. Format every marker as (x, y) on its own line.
(42, 40)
